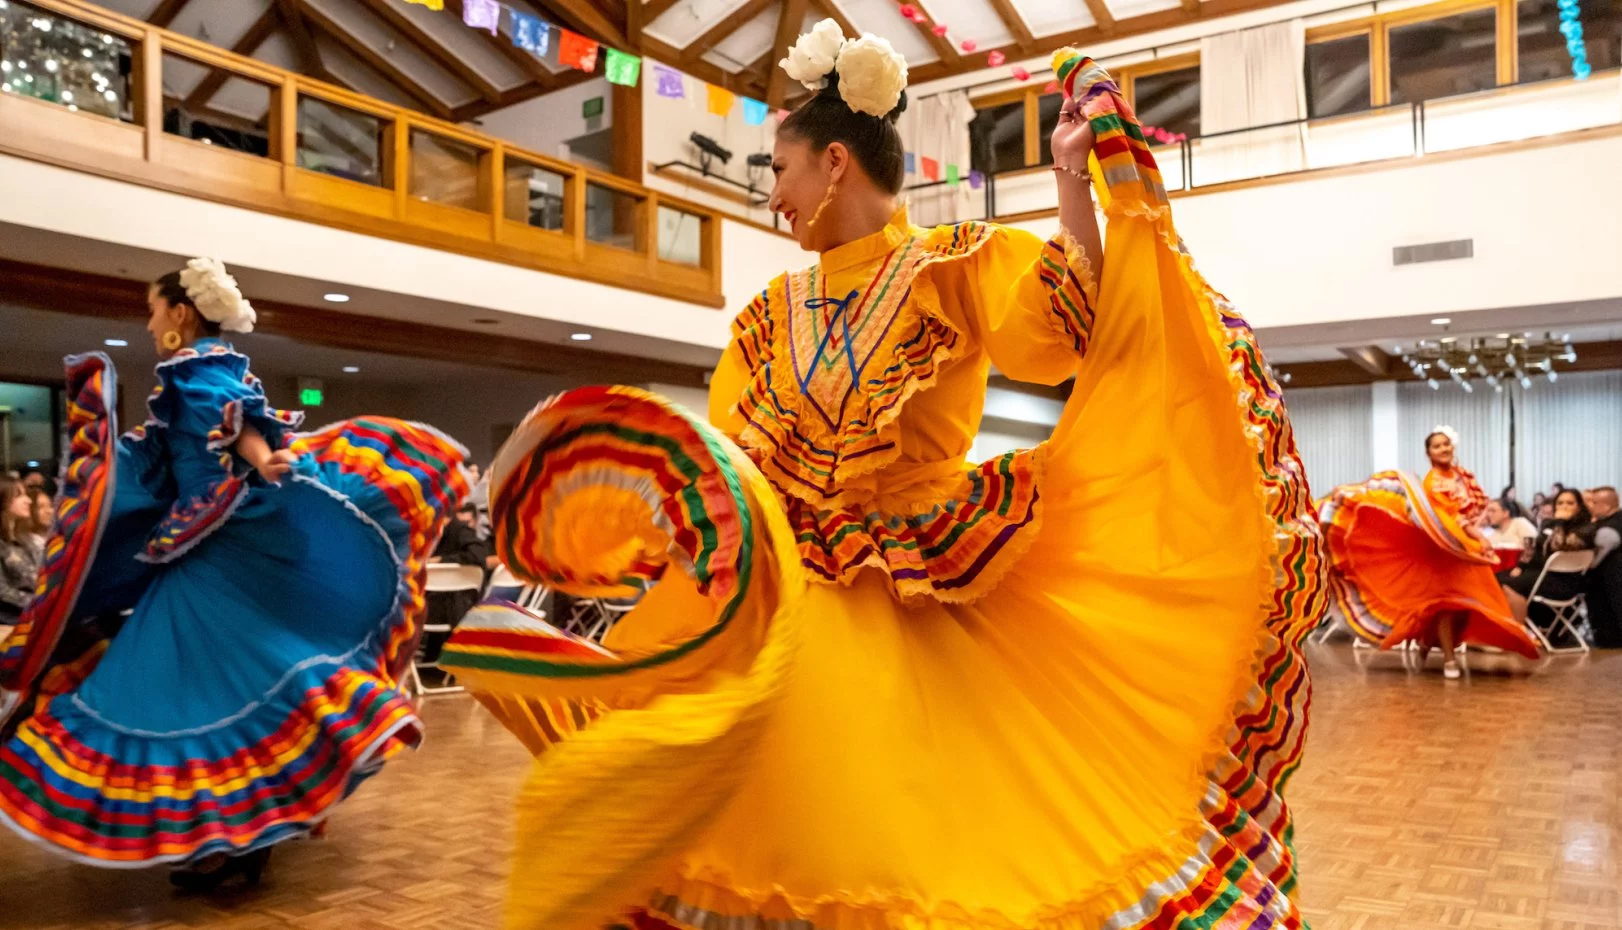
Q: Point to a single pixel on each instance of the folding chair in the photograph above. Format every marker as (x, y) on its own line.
(445, 578)
(1570, 613)
(503, 582)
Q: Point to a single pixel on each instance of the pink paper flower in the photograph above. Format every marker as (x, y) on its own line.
(968, 45)
(1020, 74)
(994, 59)
(908, 11)
(1051, 87)
(940, 29)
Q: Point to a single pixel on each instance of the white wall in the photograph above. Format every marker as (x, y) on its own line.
(667, 123)
(545, 123)
(41, 196)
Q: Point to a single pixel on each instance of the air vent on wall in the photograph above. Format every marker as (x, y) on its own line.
(1433, 252)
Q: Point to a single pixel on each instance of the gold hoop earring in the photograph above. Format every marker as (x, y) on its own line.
(827, 198)
(172, 340)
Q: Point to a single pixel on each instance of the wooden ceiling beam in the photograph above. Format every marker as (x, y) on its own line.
(298, 31)
(653, 9)
(942, 45)
(1023, 40)
(1191, 6)
(732, 22)
(395, 16)
(1081, 38)
(263, 28)
(166, 12)
(739, 83)
(584, 17)
(789, 17)
(1103, 19)
(375, 60)
(831, 10)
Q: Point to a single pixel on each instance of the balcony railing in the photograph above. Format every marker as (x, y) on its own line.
(1385, 135)
(88, 89)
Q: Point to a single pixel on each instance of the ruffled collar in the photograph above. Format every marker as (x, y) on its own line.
(859, 252)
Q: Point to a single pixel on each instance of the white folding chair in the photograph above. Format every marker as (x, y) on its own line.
(445, 578)
(1570, 613)
(528, 597)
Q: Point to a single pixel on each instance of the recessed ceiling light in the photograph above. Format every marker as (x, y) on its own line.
(580, 337)
(1502, 336)
(485, 321)
(351, 369)
(1441, 321)
(335, 298)
(115, 343)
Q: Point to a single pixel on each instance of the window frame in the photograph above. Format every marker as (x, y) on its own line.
(1378, 28)
(1032, 96)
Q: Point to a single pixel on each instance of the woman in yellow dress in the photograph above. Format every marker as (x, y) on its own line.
(878, 686)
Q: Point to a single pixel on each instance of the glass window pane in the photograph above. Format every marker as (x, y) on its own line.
(1543, 48)
(51, 58)
(445, 171)
(681, 238)
(1047, 117)
(214, 107)
(997, 138)
(1338, 76)
(534, 196)
(341, 142)
(1442, 57)
(1169, 100)
(611, 216)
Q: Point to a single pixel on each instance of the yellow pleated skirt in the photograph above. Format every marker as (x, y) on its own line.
(1100, 742)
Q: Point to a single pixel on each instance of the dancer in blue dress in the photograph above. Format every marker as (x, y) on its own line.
(210, 663)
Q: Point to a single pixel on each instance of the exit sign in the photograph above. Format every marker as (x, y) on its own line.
(311, 392)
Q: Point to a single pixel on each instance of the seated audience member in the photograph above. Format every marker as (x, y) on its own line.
(1513, 506)
(1604, 580)
(479, 496)
(44, 518)
(1570, 530)
(459, 545)
(20, 554)
(1505, 531)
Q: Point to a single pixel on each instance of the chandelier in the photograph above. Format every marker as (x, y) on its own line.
(1497, 360)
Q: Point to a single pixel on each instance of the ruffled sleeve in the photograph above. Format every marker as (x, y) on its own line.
(211, 395)
(1030, 303)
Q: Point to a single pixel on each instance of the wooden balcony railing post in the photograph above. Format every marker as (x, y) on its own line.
(710, 251)
(650, 231)
(284, 126)
(575, 207)
(148, 86)
(398, 160)
(493, 177)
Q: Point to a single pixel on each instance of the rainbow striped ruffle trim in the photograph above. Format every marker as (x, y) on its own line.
(637, 447)
(135, 799)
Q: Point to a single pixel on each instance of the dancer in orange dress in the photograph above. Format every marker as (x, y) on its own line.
(1409, 562)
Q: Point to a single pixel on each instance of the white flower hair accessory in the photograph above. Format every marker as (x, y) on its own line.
(1448, 431)
(216, 295)
(812, 58)
(872, 75)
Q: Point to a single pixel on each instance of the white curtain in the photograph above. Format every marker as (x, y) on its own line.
(1334, 431)
(1253, 77)
(1481, 419)
(937, 127)
(1570, 432)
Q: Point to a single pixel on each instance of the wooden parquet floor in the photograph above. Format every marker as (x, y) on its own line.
(1486, 804)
